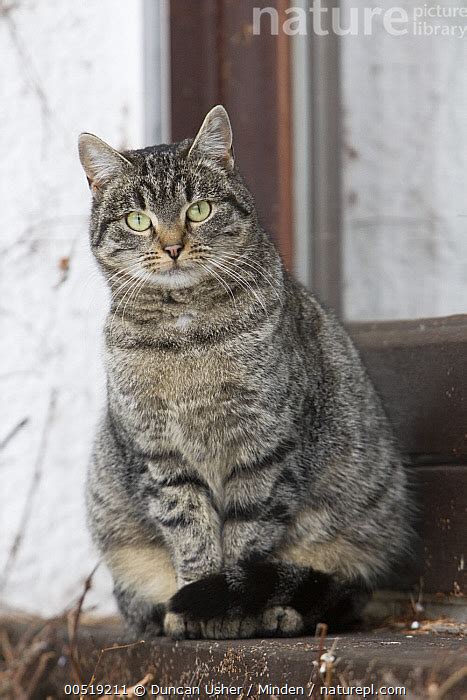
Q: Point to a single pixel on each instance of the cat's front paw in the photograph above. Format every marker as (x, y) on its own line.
(204, 599)
(231, 627)
(149, 630)
(282, 621)
(277, 621)
(181, 626)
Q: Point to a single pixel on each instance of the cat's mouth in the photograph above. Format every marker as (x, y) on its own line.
(174, 275)
(174, 269)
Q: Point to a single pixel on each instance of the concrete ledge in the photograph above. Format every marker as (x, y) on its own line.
(419, 662)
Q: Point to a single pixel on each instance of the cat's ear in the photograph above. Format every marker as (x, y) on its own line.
(100, 161)
(214, 139)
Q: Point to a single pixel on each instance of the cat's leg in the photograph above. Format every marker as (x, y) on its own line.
(144, 619)
(260, 501)
(139, 561)
(350, 567)
(181, 504)
(278, 575)
(144, 580)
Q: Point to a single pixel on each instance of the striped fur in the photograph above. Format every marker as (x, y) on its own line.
(243, 452)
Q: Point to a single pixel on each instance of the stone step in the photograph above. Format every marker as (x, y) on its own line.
(420, 665)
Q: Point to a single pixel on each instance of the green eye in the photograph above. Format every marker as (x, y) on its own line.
(138, 221)
(199, 211)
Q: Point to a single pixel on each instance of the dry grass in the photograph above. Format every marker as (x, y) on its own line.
(26, 662)
(31, 653)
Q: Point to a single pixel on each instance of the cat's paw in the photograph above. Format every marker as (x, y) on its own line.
(145, 622)
(180, 626)
(230, 627)
(149, 630)
(204, 599)
(282, 621)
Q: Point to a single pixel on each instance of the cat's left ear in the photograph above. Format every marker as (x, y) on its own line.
(214, 139)
(100, 162)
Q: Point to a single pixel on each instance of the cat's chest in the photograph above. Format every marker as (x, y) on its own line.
(172, 376)
(185, 320)
(208, 402)
(178, 396)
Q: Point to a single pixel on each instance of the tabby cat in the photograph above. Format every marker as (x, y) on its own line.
(244, 479)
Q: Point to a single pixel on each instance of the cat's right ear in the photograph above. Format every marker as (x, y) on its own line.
(214, 139)
(100, 162)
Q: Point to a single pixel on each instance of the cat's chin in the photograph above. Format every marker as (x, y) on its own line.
(173, 279)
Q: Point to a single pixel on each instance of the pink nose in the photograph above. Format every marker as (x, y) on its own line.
(173, 250)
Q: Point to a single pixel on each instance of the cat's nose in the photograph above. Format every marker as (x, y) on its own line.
(173, 250)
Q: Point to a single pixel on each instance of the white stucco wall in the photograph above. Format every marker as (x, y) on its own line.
(71, 66)
(66, 67)
(405, 165)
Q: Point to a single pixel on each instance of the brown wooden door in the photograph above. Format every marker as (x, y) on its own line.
(215, 59)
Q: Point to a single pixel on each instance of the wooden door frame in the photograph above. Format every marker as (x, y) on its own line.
(326, 194)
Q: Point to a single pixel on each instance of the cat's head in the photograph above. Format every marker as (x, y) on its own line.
(172, 215)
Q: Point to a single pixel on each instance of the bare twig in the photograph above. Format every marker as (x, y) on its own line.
(64, 267)
(38, 673)
(450, 682)
(321, 632)
(6, 7)
(6, 648)
(13, 432)
(73, 618)
(33, 633)
(37, 473)
(130, 692)
(33, 233)
(329, 661)
(106, 649)
(417, 605)
(29, 71)
(29, 661)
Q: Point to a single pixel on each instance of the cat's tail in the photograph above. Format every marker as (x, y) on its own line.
(255, 585)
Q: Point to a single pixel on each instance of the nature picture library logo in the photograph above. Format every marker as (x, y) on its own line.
(420, 20)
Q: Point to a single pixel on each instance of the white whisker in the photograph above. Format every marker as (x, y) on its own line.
(212, 272)
(241, 280)
(134, 295)
(124, 272)
(131, 283)
(233, 259)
